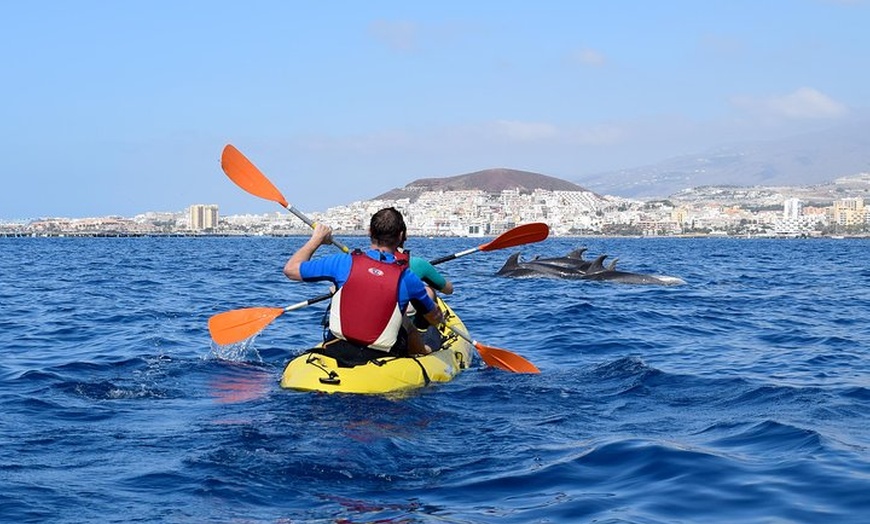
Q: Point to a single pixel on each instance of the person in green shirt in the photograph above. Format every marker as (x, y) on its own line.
(434, 281)
(430, 276)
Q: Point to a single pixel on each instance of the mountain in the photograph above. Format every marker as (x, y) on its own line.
(823, 194)
(488, 180)
(806, 159)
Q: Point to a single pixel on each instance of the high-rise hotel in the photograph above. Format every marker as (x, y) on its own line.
(848, 212)
(203, 216)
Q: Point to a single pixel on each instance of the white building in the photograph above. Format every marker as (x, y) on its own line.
(203, 216)
(791, 208)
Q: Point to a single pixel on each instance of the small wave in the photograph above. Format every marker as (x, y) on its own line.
(858, 393)
(770, 395)
(627, 367)
(37, 376)
(771, 436)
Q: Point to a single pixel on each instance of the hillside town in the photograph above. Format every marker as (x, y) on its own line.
(835, 209)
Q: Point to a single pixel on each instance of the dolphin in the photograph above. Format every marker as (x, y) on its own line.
(573, 266)
(541, 267)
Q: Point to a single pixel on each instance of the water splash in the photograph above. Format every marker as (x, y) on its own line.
(243, 351)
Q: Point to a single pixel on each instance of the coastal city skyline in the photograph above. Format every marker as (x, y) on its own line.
(716, 211)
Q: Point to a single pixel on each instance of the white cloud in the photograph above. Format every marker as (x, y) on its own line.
(588, 57)
(599, 135)
(845, 2)
(401, 35)
(525, 131)
(596, 135)
(495, 134)
(722, 46)
(805, 103)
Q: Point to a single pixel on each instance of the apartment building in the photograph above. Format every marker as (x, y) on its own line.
(203, 217)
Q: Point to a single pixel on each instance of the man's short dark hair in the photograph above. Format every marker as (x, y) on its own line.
(387, 227)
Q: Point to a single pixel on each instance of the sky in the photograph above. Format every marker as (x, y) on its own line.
(124, 107)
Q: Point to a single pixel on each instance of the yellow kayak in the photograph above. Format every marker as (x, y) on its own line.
(312, 371)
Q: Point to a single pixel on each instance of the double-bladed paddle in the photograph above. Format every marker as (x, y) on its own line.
(231, 327)
(237, 325)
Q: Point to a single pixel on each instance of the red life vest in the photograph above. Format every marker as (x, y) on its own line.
(365, 310)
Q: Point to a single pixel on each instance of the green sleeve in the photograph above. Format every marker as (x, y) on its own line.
(427, 273)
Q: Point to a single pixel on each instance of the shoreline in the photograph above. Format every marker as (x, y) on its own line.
(362, 234)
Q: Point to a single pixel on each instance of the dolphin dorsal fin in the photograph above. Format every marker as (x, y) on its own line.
(597, 265)
(577, 253)
(612, 265)
(512, 262)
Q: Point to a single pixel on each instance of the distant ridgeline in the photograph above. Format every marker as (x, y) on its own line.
(805, 159)
(489, 181)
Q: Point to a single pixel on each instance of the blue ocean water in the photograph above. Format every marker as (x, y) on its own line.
(742, 396)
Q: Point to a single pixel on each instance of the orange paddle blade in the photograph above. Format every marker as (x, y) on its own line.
(504, 359)
(235, 326)
(246, 175)
(518, 236)
(497, 358)
(524, 234)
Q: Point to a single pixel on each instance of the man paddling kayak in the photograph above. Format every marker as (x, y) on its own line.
(367, 316)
